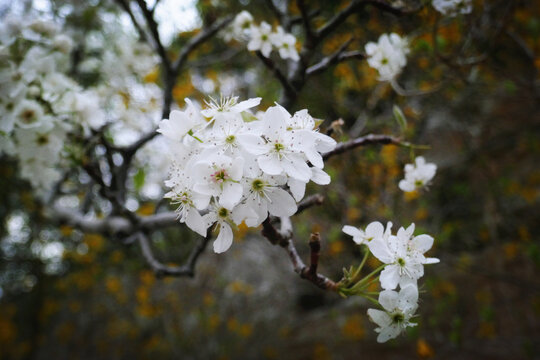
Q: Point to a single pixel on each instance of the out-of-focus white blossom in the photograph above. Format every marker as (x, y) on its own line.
(285, 44)
(261, 37)
(388, 56)
(417, 175)
(453, 7)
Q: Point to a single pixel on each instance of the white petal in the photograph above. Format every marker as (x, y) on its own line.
(237, 168)
(374, 230)
(408, 299)
(224, 240)
(231, 195)
(246, 104)
(319, 176)
(406, 186)
(389, 332)
(281, 203)
(297, 168)
(353, 231)
(379, 317)
(195, 222)
(252, 144)
(298, 188)
(389, 277)
(389, 300)
(380, 250)
(270, 164)
(422, 243)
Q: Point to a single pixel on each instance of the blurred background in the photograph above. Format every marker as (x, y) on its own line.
(474, 99)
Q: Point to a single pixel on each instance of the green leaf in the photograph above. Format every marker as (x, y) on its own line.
(248, 117)
(400, 117)
(139, 178)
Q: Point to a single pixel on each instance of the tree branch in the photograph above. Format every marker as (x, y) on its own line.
(284, 239)
(365, 140)
(269, 63)
(161, 269)
(338, 56)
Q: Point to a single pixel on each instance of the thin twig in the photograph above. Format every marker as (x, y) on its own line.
(269, 63)
(365, 140)
(161, 269)
(338, 56)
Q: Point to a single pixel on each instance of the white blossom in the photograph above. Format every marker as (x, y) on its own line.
(417, 175)
(404, 256)
(398, 310)
(388, 56)
(285, 44)
(260, 39)
(239, 164)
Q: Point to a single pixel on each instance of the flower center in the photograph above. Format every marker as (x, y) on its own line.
(397, 318)
(230, 139)
(220, 176)
(257, 185)
(264, 37)
(419, 183)
(279, 147)
(401, 262)
(42, 140)
(223, 213)
(384, 61)
(28, 116)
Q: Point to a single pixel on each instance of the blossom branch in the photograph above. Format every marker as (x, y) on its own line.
(153, 27)
(161, 269)
(284, 239)
(366, 140)
(338, 56)
(270, 64)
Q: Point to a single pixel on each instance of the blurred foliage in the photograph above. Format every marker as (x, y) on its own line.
(99, 300)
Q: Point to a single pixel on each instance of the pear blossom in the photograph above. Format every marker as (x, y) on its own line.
(417, 175)
(285, 44)
(260, 39)
(219, 176)
(180, 124)
(264, 195)
(241, 27)
(398, 310)
(404, 256)
(243, 167)
(388, 55)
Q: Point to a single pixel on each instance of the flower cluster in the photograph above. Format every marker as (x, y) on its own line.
(230, 166)
(388, 56)
(403, 261)
(453, 7)
(39, 103)
(261, 37)
(42, 104)
(417, 175)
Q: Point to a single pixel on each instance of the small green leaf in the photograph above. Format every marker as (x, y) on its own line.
(400, 117)
(139, 178)
(248, 117)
